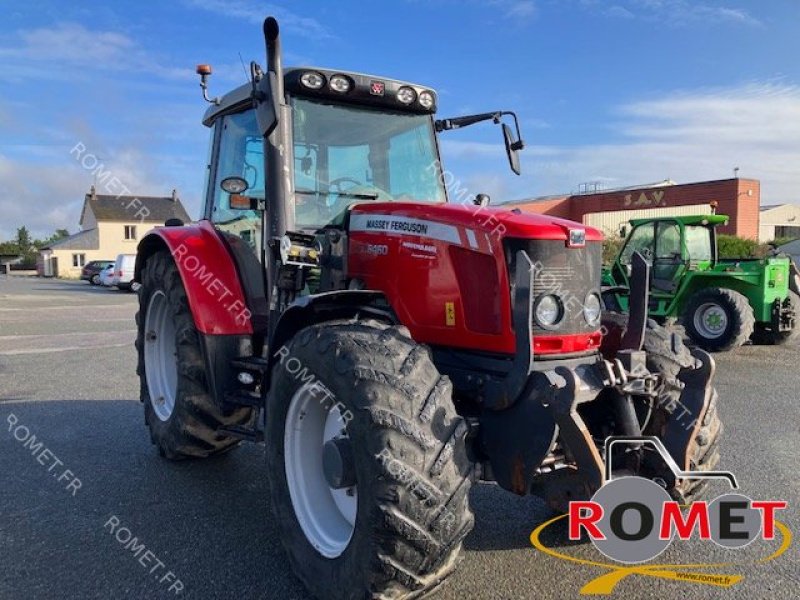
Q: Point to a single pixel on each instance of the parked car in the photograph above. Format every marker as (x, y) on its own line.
(91, 271)
(107, 276)
(123, 271)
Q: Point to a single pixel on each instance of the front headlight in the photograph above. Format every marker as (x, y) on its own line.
(548, 310)
(592, 309)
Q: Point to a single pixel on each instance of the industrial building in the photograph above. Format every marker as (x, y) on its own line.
(609, 210)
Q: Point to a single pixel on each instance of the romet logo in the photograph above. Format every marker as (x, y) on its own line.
(632, 520)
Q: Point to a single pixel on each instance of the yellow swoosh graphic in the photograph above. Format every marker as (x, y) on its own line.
(605, 584)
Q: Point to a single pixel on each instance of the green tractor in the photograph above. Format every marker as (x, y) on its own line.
(722, 303)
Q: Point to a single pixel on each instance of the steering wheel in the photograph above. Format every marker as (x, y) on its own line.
(337, 183)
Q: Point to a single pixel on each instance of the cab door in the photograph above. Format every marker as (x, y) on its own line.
(669, 263)
(641, 240)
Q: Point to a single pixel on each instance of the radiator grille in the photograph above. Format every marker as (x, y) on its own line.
(569, 273)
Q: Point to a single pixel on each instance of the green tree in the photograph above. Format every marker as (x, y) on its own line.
(24, 242)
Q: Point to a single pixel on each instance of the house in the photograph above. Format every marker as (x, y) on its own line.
(110, 225)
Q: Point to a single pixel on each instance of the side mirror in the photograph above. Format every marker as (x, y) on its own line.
(512, 148)
(623, 231)
(265, 103)
(482, 200)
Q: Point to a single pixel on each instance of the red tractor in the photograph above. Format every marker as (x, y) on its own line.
(391, 347)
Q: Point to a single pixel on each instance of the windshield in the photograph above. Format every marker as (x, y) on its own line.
(346, 154)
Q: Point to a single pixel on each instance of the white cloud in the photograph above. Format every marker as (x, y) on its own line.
(685, 136)
(70, 42)
(520, 9)
(674, 12)
(44, 186)
(690, 136)
(79, 51)
(254, 11)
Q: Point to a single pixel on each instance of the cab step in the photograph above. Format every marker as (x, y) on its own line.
(252, 364)
(243, 433)
(244, 398)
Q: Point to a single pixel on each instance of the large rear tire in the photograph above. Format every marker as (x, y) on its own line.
(179, 409)
(718, 319)
(767, 337)
(395, 528)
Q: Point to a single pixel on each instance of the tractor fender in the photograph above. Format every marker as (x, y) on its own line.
(209, 276)
(308, 310)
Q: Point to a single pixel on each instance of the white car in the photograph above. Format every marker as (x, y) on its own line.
(123, 271)
(107, 276)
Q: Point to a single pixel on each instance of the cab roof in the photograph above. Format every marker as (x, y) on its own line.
(360, 93)
(713, 220)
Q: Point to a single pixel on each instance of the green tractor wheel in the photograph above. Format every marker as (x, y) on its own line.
(718, 319)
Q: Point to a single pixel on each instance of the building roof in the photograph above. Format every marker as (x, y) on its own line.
(659, 185)
(148, 209)
(88, 239)
(770, 207)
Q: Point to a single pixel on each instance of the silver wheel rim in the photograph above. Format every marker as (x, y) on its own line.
(160, 356)
(326, 516)
(710, 320)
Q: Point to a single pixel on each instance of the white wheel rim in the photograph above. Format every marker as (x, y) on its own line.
(711, 320)
(326, 516)
(160, 356)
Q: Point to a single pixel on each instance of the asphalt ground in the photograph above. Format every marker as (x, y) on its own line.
(67, 377)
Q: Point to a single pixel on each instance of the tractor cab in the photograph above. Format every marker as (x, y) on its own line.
(352, 138)
(673, 246)
(723, 303)
(294, 150)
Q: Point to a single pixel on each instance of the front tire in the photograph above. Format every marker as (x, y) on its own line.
(718, 319)
(179, 408)
(400, 533)
(668, 357)
(95, 280)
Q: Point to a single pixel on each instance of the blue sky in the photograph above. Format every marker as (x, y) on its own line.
(619, 92)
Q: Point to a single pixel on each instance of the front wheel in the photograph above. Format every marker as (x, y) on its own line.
(718, 319)
(95, 280)
(367, 464)
(669, 358)
(179, 409)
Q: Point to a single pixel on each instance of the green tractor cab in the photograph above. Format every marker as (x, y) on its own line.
(722, 303)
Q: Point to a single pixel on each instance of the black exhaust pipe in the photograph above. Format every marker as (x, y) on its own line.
(273, 42)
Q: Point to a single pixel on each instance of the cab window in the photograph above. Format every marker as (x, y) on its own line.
(642, 240)
(698, 243)
(668, 240)
(241, 154)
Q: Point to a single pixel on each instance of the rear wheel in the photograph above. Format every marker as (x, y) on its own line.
(367, 464)
(768, 337)
(95, 280)
(179, 409)
(718, 319)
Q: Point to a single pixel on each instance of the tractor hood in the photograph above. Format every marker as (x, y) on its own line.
(457, 220)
